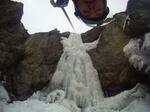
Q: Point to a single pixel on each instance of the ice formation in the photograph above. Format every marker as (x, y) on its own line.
(75, 87)
(138, 53)
(75, 73)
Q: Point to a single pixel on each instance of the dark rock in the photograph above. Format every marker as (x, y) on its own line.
(11, 13)
(115, 72)
(92, 34)
(42, 53)
(139, 17)
(12, 38)
(12, 33)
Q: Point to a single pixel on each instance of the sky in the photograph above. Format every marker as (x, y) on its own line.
(41, 16)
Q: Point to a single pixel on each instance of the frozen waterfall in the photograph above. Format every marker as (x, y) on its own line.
(75, 73)
(75, 87)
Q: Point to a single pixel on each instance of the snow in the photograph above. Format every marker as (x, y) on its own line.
(75, 87)
(34, 106)
(3, 94)
(138, 52)
(52, 97)
(4, 98)
(146, 44)
(119, 102)
(134, 100)
(133, 47)
(140, 105)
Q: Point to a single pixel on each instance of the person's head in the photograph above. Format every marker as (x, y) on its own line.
(91, 8)
(91, 11)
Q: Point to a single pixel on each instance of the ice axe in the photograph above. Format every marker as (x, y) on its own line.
(61, 4)
(63, 9)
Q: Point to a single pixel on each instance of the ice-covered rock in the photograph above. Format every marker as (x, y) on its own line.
(138, 52)
(123, 101)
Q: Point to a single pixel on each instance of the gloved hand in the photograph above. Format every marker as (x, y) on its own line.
(59, 3)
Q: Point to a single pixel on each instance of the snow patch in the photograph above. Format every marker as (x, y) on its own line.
(3, 94)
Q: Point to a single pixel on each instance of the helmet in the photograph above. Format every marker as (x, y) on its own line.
(91, 21)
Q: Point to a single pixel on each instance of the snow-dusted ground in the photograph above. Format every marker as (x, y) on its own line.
(75, 87)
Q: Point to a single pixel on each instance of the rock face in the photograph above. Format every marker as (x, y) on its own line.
(108, 58)
(138, 28)
(139, 17)
(12, 38)
(12, 33)
(29, 64)
(42, 52)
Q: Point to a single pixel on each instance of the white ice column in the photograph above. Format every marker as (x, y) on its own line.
(75, 73)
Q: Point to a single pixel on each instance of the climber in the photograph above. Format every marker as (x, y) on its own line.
(89, 11)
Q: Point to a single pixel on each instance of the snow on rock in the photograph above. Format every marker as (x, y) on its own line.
(139, 105)
(139, 55)
(133, 47)
(55, 96)
(52, 97)
(123, 101)
(146, 44)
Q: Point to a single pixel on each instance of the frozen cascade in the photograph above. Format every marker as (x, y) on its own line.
(75, 73)
(75, 87)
